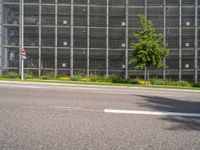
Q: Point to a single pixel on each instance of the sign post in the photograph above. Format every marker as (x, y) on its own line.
(23, 56)
(23, 51)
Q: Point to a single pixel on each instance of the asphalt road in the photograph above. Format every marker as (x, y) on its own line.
(53, 116)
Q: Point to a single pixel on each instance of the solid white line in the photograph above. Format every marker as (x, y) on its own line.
(151, 113)
(63, 107)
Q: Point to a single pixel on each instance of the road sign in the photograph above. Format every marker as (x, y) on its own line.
(23, 54)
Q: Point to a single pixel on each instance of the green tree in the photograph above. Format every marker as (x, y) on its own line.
(150, 49)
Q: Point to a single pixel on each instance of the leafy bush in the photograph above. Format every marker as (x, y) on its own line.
(196, 84)
(116, 79)
(11, 75)
(66, 78)
(85, 79)
(158, 82)
(75, 78)
(181, 83)
(133, 81)
(48, 76)
(29, 75)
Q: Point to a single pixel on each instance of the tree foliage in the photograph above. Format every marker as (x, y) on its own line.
(150, 49)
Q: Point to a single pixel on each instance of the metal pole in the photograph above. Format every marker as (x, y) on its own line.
(180, 40)
(196, 43)
(22, 32)
(127, 46)
(72, 39)
(88, 37)
(107, 38)
(164, 40)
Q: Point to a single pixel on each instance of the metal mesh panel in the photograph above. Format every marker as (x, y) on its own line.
(98, 16)
(63, 59)
(136, 2)
(97, 38)
(116, 60)
(135, 11)
(116, 17)
(154, 2)
(31, 36)
(80, 16)
(80, 59)
(64, 16)
(188, 76)
(82, 2)
(48, 15)
(172, 61)
(64, 37)
(11, 36)
(48, 58)
(172, 2)
(31, 14)
(48, 1)
(188, 2)
(11, 14)
(11, 1)
(32, 58)
(97, 60)
(31, 1)
(117, 38)
(48, 37)
(10, 57)
(117, 2)
(64, 1)
(80, 37)
(98, 2)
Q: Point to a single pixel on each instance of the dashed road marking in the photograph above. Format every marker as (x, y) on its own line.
(153, 113)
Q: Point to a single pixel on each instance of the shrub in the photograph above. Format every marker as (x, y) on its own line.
(196, 84)
(75, 78)
(116, 79)
(66, 78)
(11, 75)
(48, 76)
(143, 82)
(133, 81)
(158, 82)
(181, 83)
(85, 79)
(29, 75)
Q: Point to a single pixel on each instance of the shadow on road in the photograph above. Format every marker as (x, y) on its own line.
(173, 105)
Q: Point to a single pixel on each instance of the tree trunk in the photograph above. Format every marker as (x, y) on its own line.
(145, 73)
(148, 74)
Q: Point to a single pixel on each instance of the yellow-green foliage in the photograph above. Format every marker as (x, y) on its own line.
(65, 78)
(85, 79)
(143, 82)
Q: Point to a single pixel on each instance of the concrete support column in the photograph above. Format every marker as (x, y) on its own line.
(88, 37)
(127, 46)
(164, 34)
(56, 37)
(72, 40)
(180, 40)
(40, 42)
(107, 39)
(196, 42)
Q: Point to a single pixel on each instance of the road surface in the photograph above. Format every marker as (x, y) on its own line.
(36, 116)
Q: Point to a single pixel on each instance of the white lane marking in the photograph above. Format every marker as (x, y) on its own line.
(63, 107)
(74, 109)
(115, 111)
